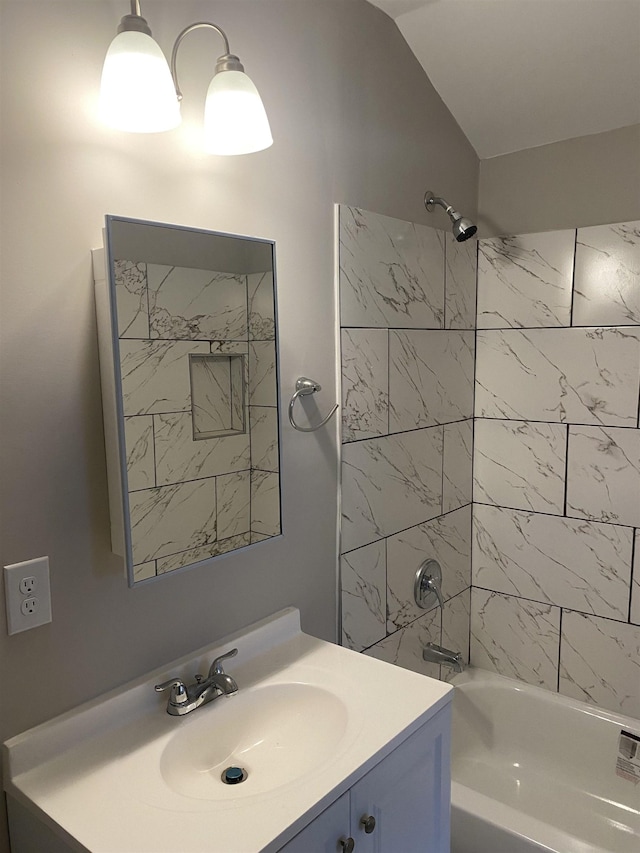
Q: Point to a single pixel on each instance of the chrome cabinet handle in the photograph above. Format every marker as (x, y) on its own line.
(368, 823)
(347, 845)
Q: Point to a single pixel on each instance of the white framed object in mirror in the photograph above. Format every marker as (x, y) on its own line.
(189, 364)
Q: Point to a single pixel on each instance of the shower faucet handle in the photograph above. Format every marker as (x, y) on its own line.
(427, 587)
(434, 586)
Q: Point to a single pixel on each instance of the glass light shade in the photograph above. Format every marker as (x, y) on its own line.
(235, 120)
(137, 93)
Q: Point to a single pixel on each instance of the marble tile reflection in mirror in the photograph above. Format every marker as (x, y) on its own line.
(194, 391)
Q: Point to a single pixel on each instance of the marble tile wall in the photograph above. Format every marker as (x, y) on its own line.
(197, 357)
(407, 313)
(556, 513)
(544, 580)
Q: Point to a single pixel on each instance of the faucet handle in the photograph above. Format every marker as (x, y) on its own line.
(433, 585)
(178, 695)
(427, 587)
(216, 667)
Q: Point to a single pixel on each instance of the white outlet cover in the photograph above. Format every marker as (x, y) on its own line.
(17, 620)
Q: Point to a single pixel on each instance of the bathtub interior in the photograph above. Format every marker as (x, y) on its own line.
(546, 757)
(473, 832)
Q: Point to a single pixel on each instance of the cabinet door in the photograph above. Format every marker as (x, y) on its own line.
(323, 834)
(408, 794)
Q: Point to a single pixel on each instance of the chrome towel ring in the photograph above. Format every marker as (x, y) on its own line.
(304, 387)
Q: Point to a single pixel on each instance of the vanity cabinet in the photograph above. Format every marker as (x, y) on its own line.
(406, 794)
(328, 736)
(323, 834)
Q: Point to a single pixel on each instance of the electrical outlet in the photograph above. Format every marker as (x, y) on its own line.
(28, 585)
(29, 606)
(25, 608)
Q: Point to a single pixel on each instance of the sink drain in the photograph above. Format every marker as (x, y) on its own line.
(234, 775)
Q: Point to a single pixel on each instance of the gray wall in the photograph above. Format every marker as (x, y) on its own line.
(346, 131)
(591, 180)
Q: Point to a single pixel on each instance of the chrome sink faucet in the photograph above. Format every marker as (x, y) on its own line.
(183, 699)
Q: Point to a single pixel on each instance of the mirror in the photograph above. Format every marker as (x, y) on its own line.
(187, 323)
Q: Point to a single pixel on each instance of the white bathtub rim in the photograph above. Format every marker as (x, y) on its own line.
(473, 675)
(508, 820)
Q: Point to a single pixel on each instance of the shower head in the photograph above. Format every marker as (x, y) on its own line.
(462, 228)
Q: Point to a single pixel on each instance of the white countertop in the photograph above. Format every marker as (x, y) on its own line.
(94, 775)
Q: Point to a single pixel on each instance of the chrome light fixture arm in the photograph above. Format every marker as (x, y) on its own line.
(226, 62)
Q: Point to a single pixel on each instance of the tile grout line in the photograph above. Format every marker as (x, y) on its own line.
(632, 578)
(246, 404)
(473, 430)
(598, 425)
(405, 529)
(420, 429)
(559, 650)
(566, 472)
(621, 621)
(155, 457)
(527, 511)
(444, 282)
(554, 328)
(388, 382)
(473, 438)
(386, 589)
(417, 619)
(568, 429)
(573, 278)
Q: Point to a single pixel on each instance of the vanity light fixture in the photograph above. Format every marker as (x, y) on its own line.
(140, 93)
(235, 120)
(137, 93)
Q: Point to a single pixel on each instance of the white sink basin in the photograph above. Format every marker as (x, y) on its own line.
(277, 734)
(309, 719)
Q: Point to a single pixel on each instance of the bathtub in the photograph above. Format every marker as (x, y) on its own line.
(534, 771)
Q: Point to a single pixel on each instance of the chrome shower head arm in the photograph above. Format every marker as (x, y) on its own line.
(430, 201)
(463, 229)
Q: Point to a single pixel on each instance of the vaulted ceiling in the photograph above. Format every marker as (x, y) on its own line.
(516, 74)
